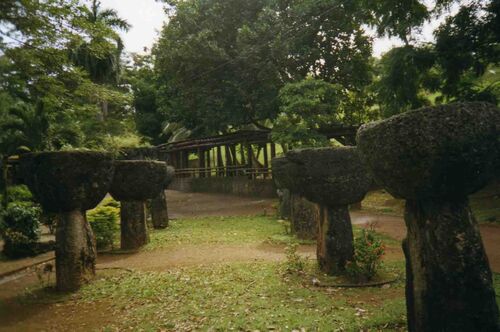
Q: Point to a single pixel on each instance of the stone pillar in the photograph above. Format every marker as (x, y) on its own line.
(447, 268)
(304, 217)
(75, 251)
(134, 182)
(335, 239)
(332, 178)
(68, 184)
(159, 211)
(134, 230)
(434, 158)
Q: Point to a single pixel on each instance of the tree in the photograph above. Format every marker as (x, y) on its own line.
(100, 54)
(210, 76)
(37, 69)
(308, 108)
(466, 45)
(406, 75)
(148, 116)
(220, 64)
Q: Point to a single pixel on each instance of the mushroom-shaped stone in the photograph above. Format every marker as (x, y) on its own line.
(333, 178)
(68, 183)
(136, 181)
(159, 209)
(434, 157)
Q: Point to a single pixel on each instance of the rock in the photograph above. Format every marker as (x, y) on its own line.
(65, 181)
(136, 181)
(443, 151)
(68, 183)
(330, 176)
(434, 157)
(139, 180)
(333, 178)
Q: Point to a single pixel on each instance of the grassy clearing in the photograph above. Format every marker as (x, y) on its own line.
(221, 230)
(255, 296)
(235, 296)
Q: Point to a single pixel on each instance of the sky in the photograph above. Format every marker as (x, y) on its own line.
(148, 16)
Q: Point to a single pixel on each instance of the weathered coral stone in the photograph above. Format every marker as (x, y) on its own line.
(159, 208)
(305, 217)
(333, 178)
(434, 157)
(68, 183)
(136, 181)
(302, 214)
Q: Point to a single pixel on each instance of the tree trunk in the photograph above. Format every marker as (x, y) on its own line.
(75, 251)
(449, 282)
(159, 211)
(134, 231)
(335, 239)
(304, 217)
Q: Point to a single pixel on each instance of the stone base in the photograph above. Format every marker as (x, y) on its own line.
(159, 211)
(304, 217)
(134, 231)
(449, 282)
(75, 251)
(335, 240)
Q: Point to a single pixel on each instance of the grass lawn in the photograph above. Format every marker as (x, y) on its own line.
(222, 230)
(232, 296)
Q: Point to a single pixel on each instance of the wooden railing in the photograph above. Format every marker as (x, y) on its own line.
(226, 171)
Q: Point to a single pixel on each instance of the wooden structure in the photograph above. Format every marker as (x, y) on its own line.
(243, 153)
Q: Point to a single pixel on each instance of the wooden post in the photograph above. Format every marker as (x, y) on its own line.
(243, 159)
(181, 161)
(229, 161)
(273, 150)
(208, 165)
(234, 158)
(266, 161)
(220, 162)
(250, 161)
(201, 163)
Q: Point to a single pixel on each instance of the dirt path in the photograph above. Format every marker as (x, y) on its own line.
(395, 228)
(164, 259)
(186, 205)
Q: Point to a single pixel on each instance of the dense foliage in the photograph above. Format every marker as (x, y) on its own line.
(308, 107)
(20, 229)
(223, 65)
(104, 222)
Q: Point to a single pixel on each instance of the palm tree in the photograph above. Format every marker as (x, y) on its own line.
(101, 56)
(25, 127)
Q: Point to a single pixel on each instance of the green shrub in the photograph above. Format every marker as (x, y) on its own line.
(19, 193)
(294, 262)
(368, 252)
(109, 201)
(20, 230)
(103, 220)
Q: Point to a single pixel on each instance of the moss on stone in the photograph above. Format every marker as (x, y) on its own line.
(444, 151)
(138, 180)
(67, 181)
(328, 176)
